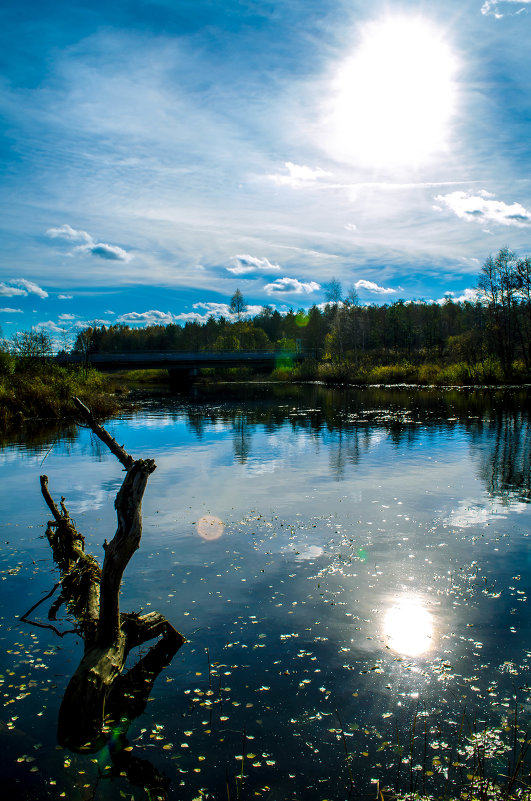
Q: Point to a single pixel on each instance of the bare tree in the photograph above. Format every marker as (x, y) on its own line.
(333, 292)
(237, 305)
(31, 344)
(333, 295)
(498, 285)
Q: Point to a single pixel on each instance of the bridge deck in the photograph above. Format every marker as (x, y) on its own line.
(179, 361)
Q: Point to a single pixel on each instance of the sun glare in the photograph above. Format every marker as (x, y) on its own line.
(393, 98)
(408, 627)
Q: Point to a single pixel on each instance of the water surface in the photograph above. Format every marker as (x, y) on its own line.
(351, 570)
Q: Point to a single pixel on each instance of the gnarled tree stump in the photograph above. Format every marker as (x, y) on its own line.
(91, 596)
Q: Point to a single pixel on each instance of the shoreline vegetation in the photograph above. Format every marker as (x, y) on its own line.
(347, 373)
(32, 389)
(39, 389)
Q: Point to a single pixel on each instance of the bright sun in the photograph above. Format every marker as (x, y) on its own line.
(393, 98)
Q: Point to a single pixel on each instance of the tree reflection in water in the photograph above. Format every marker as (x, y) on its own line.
(496, 420)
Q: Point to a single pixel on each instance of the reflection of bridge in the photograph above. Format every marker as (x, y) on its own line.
(183, 362)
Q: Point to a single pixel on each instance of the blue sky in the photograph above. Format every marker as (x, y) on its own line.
(157, 154)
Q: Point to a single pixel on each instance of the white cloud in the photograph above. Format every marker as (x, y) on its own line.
(21, 286)
(64, 297)
(504, 8)
(468, 295)
(483, 209)
(104, 251)
(49, 325)
(30, 287)
(69, 233)
(100, 249)
(63, 326)
(351, 227)
(252, 310)
(7, 310)
(286, 285)
(213, 309)
(250, 264)
(11, 291)
(298, 174)
(66, 317)
(192, 317)
(371, 286)
(151, 317)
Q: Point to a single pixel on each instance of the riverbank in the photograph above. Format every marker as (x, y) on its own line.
(31, 390)
(485, 373)
(488, 372)
(36, 390)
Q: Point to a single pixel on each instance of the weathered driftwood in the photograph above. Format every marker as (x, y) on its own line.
(91, 595)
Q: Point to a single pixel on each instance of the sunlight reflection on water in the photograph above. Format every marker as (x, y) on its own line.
(408, 627)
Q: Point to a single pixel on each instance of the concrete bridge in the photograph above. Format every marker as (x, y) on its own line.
(183, 363)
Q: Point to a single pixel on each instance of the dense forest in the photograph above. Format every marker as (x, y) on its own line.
(494, 329)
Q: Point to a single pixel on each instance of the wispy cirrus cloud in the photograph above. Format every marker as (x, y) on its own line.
(21, 287)
(371, 286)
(284, 286)
(88, 244)
(244, 264)
(504, 8)
(484, 209)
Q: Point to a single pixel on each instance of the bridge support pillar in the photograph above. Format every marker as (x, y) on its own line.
(182, 378)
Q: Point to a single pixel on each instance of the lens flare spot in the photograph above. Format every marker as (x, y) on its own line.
(210, 528)
(408, 627)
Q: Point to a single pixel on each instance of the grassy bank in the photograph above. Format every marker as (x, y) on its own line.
(487, 372)
(428, 374)
(32, 389)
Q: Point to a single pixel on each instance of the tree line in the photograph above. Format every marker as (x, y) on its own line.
(497, 325)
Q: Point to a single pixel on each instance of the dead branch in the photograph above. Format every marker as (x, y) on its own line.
(91, 596)
(105, 437)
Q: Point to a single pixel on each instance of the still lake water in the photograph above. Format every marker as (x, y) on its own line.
(351, 569)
